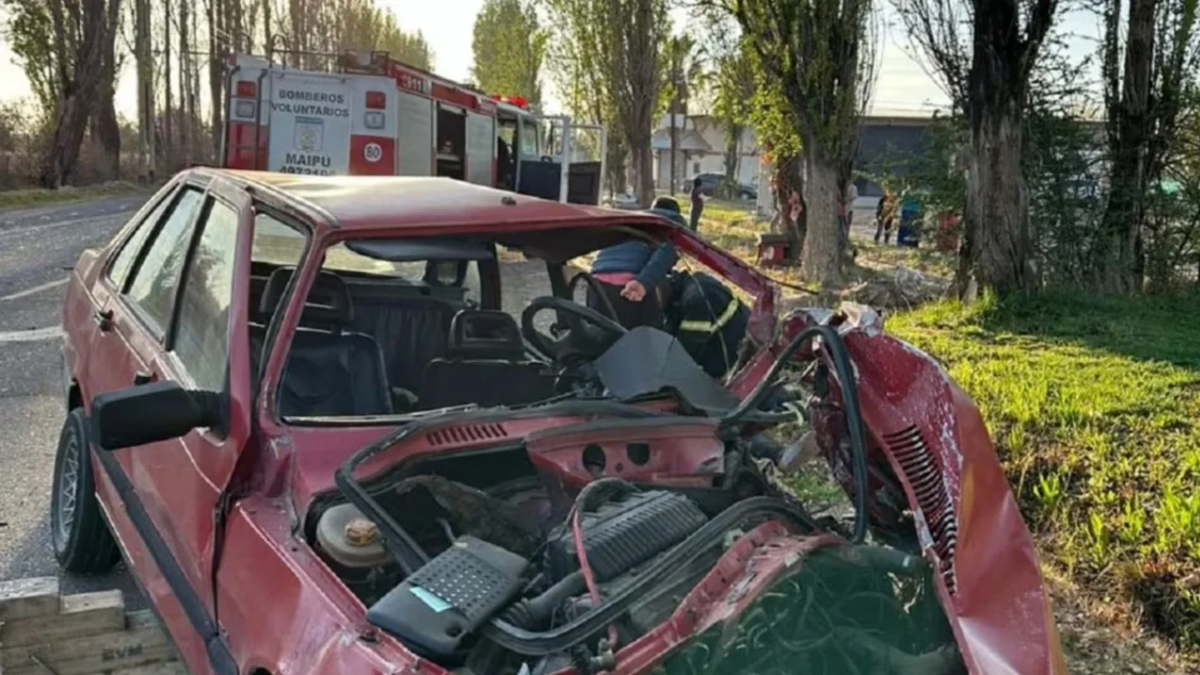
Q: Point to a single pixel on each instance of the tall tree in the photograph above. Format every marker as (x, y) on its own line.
(104, 127)
(735, 89)
(775, 125)
(684, 75)
(365, 25)
(821, 54)
(508, 45)
(168, 88)
(40, 49)
(606, 58)
(990, 83)
(93, 24)
(67, 48)
(638, 29)
(1146, 92)
(144, 59)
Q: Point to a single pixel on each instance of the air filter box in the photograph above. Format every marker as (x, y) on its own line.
(624, 532)
(445, 601)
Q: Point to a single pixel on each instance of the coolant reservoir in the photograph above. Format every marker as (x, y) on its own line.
(347, 538)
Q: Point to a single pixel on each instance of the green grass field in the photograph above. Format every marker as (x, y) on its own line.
(1094, 404)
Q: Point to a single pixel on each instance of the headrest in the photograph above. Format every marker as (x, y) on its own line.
(483, 334)
(328, 300)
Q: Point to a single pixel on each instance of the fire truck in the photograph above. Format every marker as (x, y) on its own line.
(369, 114)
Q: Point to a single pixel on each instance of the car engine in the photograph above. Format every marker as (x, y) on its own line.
(530, 549)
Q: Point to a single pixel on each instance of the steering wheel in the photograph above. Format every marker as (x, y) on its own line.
(586, 335)
(597, 289)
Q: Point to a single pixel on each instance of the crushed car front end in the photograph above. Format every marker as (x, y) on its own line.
(652, 534)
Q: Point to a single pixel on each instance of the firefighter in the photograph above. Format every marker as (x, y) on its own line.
(707, 319)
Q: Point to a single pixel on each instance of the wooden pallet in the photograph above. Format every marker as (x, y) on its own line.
(45, 633)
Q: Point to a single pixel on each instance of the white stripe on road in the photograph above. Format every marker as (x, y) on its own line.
(34, 335)
(36, 289)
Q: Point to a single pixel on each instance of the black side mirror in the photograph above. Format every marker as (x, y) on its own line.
(149, 413)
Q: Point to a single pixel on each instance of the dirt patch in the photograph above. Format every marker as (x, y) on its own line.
(1102, 639)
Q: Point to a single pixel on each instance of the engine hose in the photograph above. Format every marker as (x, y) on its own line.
(833, 344)
(562, 638)
(532, 613)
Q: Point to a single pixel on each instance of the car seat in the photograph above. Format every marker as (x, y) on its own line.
(330, 371)
(485, 364)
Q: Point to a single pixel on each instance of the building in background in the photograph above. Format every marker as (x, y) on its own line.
(888, 140)
(700, 148)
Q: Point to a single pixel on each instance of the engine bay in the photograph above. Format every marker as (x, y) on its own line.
(522, 535)
(554, 550)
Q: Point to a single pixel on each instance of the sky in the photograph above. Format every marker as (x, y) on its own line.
(902, 85)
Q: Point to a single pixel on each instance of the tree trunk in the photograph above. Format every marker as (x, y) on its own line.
(820, 260)
(615, 166)
(733, 138)
(673, 109)
(215, 73)
(168, 111)
(995, 249)
(788, 178)
(97, 18)
(145, 75)
(643, 167)
(268, 26)
(187, 118)
(1118, 260)
(105, 128)
(994, 252)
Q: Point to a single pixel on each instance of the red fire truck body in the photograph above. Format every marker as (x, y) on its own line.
(372, 115)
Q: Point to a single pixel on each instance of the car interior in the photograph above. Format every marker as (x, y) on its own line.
(390, 327)
(396, 326)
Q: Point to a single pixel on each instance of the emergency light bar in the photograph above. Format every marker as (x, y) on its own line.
(519, 101)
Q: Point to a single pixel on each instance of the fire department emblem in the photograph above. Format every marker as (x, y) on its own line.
(310, 134)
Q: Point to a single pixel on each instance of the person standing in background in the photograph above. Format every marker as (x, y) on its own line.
(697, 204)
(909, 232)
(885, 214)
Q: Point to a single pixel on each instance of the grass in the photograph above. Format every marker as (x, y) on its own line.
(10, 199)
(1094, 404)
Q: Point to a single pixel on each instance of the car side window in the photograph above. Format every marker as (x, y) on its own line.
(201, 337)
(123, 262)
(157, 276)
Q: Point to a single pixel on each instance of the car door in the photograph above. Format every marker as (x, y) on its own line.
(178, 316)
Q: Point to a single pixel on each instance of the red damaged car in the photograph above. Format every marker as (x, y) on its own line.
(298, 409)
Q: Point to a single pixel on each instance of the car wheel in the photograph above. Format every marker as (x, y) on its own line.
(81, 539)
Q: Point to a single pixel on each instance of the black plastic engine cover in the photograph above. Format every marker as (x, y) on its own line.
(442, 603)
(624, 532)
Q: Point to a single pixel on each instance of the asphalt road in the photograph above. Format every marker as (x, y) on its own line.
(37, 247)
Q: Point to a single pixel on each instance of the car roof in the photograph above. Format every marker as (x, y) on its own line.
(372, 202)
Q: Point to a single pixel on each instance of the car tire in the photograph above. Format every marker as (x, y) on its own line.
(81, 539)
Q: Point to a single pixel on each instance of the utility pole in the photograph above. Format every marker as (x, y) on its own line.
(674, 109)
